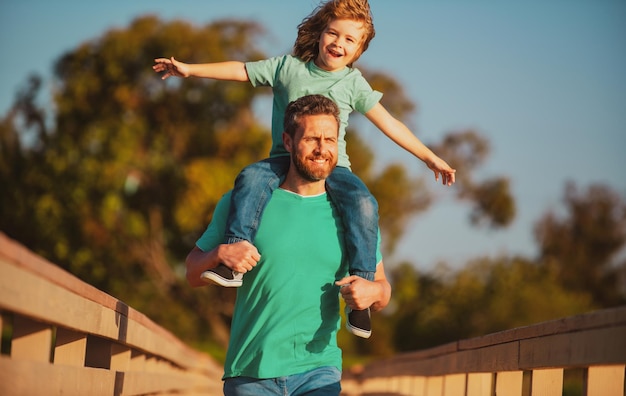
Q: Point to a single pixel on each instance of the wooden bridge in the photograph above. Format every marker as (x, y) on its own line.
(61, 336)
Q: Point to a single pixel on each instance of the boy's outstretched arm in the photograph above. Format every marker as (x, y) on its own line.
(229, 71)
(403, 137)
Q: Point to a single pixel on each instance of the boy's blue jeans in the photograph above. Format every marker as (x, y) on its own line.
(356, 206)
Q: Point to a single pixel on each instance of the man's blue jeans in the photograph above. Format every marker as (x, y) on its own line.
(324, 381)
(355, 204)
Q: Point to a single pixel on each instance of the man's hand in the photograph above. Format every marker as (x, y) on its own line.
(359, 293)
(240, 257)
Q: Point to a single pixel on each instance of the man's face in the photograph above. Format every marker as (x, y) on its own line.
(314, 147)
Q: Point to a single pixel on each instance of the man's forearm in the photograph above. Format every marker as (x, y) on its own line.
(197, 262)
(380, 279)
(385, 295)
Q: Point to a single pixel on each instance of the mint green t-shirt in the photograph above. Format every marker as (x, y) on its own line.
(290, 79)
(286, 314)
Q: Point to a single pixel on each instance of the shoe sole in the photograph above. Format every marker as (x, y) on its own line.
(215, 278)
(358, 332)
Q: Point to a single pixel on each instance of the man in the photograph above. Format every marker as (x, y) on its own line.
(283, 336)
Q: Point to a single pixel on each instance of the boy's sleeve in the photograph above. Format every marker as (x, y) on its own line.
(214, 234)
(365, 97)
(263, 73)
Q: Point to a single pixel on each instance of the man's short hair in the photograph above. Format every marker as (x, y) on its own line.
(306, 106)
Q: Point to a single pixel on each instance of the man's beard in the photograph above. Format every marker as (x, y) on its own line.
(313, 173)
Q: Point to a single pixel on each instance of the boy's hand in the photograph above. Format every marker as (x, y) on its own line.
(171, 67)
(440, 167)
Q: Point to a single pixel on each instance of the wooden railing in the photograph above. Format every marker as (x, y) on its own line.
(580, 355)
(61, 336)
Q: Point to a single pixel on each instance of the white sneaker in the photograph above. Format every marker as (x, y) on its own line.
(223, 276)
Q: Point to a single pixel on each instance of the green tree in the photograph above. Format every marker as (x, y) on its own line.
(119, 177)
(486, 296)
(125, 179)
(23, 135)
(491, 199)
(583, 243)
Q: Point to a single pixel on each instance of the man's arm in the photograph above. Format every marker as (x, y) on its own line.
(240, 257)
(385, 294)
(361, 294)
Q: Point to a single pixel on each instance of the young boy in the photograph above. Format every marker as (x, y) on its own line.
(329, 41)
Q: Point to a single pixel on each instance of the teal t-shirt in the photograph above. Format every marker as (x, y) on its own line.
(286, 314)
(290, 79)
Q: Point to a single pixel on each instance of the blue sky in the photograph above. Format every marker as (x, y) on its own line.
(543, 80)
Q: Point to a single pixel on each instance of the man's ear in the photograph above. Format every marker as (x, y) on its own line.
(287, 142)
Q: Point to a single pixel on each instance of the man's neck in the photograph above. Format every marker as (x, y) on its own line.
(304, 187)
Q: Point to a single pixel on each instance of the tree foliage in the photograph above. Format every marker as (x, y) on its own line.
(580, 268)
(491, 199)
(117, 190)
(583, 245)
(486, 296)
(117, 179)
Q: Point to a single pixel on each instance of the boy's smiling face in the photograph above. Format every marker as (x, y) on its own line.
(340, 44)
